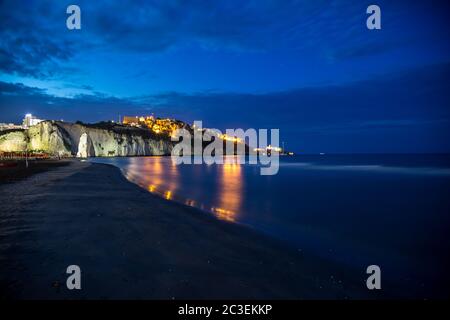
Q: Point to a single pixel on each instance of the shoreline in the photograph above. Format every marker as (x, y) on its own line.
(131, 244)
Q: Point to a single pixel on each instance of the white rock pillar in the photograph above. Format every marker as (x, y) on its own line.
(85, 148)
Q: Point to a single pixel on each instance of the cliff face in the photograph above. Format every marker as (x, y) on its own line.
(65, 139)
(48, 137)
(13, 141)
(97, 142)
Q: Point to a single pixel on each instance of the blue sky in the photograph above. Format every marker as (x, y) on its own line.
(310, 68)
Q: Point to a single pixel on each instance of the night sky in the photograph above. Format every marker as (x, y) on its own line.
(310, 68)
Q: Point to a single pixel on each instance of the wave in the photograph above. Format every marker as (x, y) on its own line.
(370, 168)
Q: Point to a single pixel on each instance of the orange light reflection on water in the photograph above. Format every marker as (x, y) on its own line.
(163, 179)
(230, 190)
(154, 176)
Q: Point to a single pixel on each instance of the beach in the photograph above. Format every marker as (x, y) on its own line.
(13, 171)
(130, 244)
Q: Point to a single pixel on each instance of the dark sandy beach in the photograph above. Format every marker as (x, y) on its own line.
(13, 171)
(131, 244)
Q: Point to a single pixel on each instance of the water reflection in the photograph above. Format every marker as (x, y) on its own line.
(161, 176)
(154, 174)
(230, 190)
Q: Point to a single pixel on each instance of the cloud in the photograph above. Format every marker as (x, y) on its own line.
(17, 100)
(397, 112)
(30, 43)
(35, 42)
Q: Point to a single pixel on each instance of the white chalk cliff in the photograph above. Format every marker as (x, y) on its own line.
(85, 148)
(69, 139)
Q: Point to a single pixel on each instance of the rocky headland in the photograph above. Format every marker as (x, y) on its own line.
(66, 139)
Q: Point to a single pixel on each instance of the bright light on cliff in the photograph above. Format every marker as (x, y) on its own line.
(228, 138)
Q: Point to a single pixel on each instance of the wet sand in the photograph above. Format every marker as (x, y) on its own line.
(131, 244)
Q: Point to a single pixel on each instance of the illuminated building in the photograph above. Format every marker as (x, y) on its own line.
(157, 125)
(30, 120)
(268, 149)
(229, 138)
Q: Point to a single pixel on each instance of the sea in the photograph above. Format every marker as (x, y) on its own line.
(389, 210)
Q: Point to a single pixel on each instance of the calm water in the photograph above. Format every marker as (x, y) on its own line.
(389, 210)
